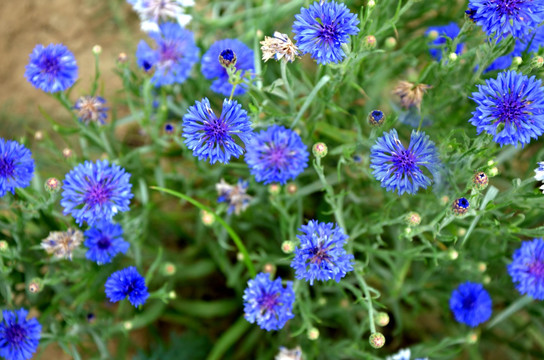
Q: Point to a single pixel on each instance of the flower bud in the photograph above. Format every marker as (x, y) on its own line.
(480, 180)
(452, 56)
(382, 318)
(494, 171)
(97, 49)
(517, 60)
(207, 217)
(227, 58)
(38, 135)
(169, 128)
(320, 150)
(288, 247)
(91, 318)
(472, 337)
(537, 62)
(313, 334)
(292, 188)
(461, 231)
(239, 256)
(4, 245)
(453, 254)
(413, 219)
(322, 301)
(274, 189)
(168, 269)
(67, 152)
(172, 295)
(127, 325)
(371, 4)
(460, 206)
(433, 35)
(444, 199)
(369, 42)
(376, 340)
(482, 267)
(487, 279)
(269, 268)
(35, 286)
(52, 185)
(122, 58)
(390, 43)
(376, 118)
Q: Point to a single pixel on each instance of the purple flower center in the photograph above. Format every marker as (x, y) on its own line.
(277, 155)
(404, 161)
(15, 334)
(463, 203)
(377, 115)
(98, 194)
(50, 65)
(216, 130)
(6, 167)
(537, 269)
(319, 255)
(104, 243)
(328, 33)
(510, 7)
(510, 110)
(468, 302)
(227, 55)
(169, 53)
(268, 302)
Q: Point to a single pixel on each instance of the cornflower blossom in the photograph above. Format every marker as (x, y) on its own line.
(174, 57)
(527, 268)
(91, 109)
(19, 336)
(234, 195)
(323, 28)
(16, 166)
(96, 191)
(51, 68)
(268, 303)
(410, 94)
(321, 255)
(213, 138)
(471, 304)
(277, 155)
(212, 68)
(279, 47)
(62, 243)
(403, 354)
(500, 18)
(539, 174)
(443, 32)
(104, 241)
(510, 107)
(400, 169)
(531, 43)
(127, 283)
(152, 12)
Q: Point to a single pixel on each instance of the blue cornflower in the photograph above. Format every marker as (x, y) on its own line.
(471, 304)
(16, 166)
(276, 154)
(323, 28)
(19, 337)
(401, 169)
(531, 43)
(500, 18)
(91, 109)
(443, 32)
(105, 240)
(174, 57)
(52, 68)
(268, 303)
(151, 12)
(212, 68)
(321, 255)
(404, 354)
(96, 191)
(127, 282)
(211, 137)
(527, 268)
(510, 107)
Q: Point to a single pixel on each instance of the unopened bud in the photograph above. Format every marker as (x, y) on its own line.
(227, 58)
(288, 247)
(482, 267)
(487, 279)
(52, 185)
(433, 35)
(274, 189)
(494, 171)
(122, 58)
(169, 128)
(269, 268)
(413, 219)
(461, 231)
(537, 62)
(322, 301)
(517, 60)
(35, 286)
(371, 3)
(444, 200)
(452, 56)
(369, 42)
(127, 325)
(67, 152)
(480, 180)
(313, 334)
(320, 150)
(376, 118)
(172, 295)
(207, 217)
(97, 49)
(453, 254)
(376, 340)
(472, 337)
(292, 188)
(239, 256)
(390, 43)
(38, 135)
(168, 269)
(4, 245)
(382, 318)
(460, 206)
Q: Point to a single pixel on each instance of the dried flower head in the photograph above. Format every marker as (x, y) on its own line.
(279, 47)
(235, 195)
(286, 354)
(62, 243)
(91, 109)
(410, 94)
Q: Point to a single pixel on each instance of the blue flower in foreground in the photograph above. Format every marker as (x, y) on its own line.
(96, 191)
(321, 255)
(500, 18)
(276, 154)
(527, 268)
(91, 109)
(52, 68)
(213, 138)
(19, 337)
(471, 304)
(127, 283)
(153, 11)
(212, 68)
(16, 166)
(321, 30)
(510, 107)
(268, 303)
(401, 169)
(451, 31)
(403, 354)
(105, 240)
(174, 57)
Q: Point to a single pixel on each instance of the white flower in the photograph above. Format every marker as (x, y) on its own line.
(153, 11)
(539, 174)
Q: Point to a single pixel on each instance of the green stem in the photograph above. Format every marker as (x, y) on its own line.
(368, 299)
(325, 79)
(283, 67)
(330, 198)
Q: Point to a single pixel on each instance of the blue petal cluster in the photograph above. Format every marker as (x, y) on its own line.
(16, 166)
(51, 68)
(276, 154)
(500, 18)
(96, 191)
(212, 68)
(104, 241)
(268, 303)
(401, 169)
(321, 255)
(471, 304)
(527, 268)
(127, 283)
(321, 29)
(19, 337)
(447, 31)
(510, 107)
(174, 57)
(213, 138)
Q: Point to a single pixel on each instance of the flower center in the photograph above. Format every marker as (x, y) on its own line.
(319, 255)
(268, 302)
(404, 161)
(98, 194)
(50, 65)
(537, 269)
(277, 156)
(169, 53)
(15, 334)
(6, 167)
(104, 243)
(511, 110)
(510, 7)
(328, 33)
(469, 302)
(216, 130)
